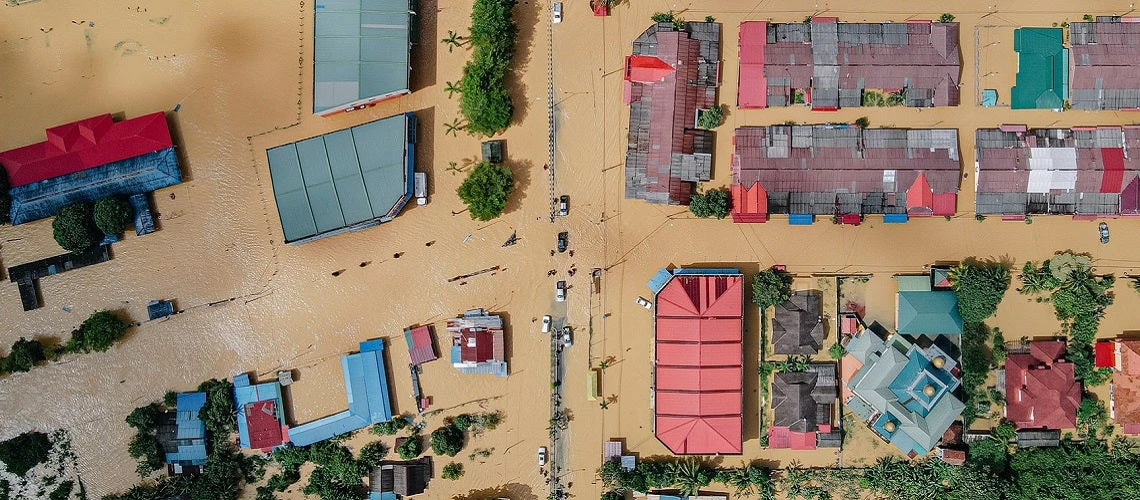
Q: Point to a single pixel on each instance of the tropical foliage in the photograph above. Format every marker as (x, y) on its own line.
(713, 203)
(452, 471)
(771, 287)
(484, 100)
(74, 228)
(486, 189)
(97, 333)
(711, 118)
(391, 427)
(112, 215)
(976, 361)
(447, 440)
(411, 447)
(980, 287)
(25, 451)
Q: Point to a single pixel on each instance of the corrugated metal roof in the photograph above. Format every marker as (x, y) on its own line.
(360, 51)
(366, 388)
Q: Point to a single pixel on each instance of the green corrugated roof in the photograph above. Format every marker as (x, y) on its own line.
(1042, 69)
(336, 180)
(914, 283)
(928, 313)
(360, 50)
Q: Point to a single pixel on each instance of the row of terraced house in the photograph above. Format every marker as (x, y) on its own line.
(848, 172)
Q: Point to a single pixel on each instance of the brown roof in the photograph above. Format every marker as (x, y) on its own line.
(1104, 65)
(1126, 384)
(666, 153)
(1041, 391)
(802, 401)
(798, 325)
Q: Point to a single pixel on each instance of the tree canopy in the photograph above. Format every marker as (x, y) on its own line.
(713, 203)
(112, 215)
(711, 118)
(25, 355)
(483, 99)
(97, 333)
(411, 447)
(74, 229)
(486, 189)
(771, 287)
(447, 440)
(25, 451)
(980, 287)
(452, 471)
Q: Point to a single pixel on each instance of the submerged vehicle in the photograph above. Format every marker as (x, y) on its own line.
(1103, 232)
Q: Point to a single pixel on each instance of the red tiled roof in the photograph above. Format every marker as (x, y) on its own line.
(646, 69)
(1041, 391)
(1126, 387)
(86, 144)
(785, 438)
(264, 428)
(1106, 354)
(698, 376)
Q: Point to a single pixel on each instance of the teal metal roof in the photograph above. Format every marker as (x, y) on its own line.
(1042, 80)
(345, 180)
(360, 51)
(914, 283)
(928, 313)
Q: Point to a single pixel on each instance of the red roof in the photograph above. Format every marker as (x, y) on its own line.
(646, 69)
(1126, 387)
(86, 144)
(753, 89)
(945, 203)
(920, 198)
(698, 379)
(421, 349)
(1041, 391)
(749, 204)
(477, 345)
(1106, 354)
(264, 428)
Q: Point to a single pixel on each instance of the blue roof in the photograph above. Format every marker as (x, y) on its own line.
(895, 218)
(930, 313)
(387, 495)
(140, 174)
(244, 394)
(919, 372)
(801, 219)
(190, 434)
(659, 280)
(366, 388)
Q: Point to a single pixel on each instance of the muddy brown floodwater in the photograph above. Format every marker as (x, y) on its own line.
(241, 72)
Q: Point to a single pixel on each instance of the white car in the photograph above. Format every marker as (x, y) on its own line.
(541, 456)
(546, 324)
(557, 13)
(566, 341)
(560, 291)
(644, 303)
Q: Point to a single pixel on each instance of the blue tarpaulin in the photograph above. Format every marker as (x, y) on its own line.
(895, 218)
(800, 219)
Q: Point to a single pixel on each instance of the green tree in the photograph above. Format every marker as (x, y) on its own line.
(452, 471)
(372, 453)
(663, 17)
(836, 351)
(748, 480)
(410, 448)
(25, 451)
(489, 420)
(612, 495)
(946, 18)
(462, 421)
(144, 447)
(862, 122)
(97, 333)
(391, 427)
(690, 476)
(980, 287)
(484, 100)
(170, 399)
(218, 414)
(771, 287)
(486, 189)
(712, 203)
(112, 215)
(25, 355)
(1074, 471)
(74, 229)
(447, 440)
(711, 118)
(144, 418)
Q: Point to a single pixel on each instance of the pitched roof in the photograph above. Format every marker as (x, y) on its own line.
(1104, 66)
(698, 399)
(85, 144)
(421, 349)
(840, 169)
(832, 62)
(804, 401)
(1041, 391)
(246, 395)
(934, 312)
(182, 434)
(477, 345)
(797, 327)
(365, 388)
(670, 75)
(264, 428)
(1042, 69)
(1126, 386)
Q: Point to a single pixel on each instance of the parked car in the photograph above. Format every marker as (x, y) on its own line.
(562, 241)
(541, 456)
(564, 205)
(644, 303)
(421, 188)
(560, 291)
(566, 341)
(1103, 232)
(546, 324)
(557, 13)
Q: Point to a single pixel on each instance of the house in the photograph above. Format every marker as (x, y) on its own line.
(1042, 80)
(90, 159)
(365, 388)
(804, 406)
(1038, 438)
(343, 181)
(1104, 65)
(1040, 389)
(828, 64)
(671, 76)
(922, 310)
(394, 480)
(797, 327)
(698, 373)
(1125, 394)
(421, 346)
(1080, 171)
(951, 456)
(477, 345)
(260, 414)
(182, 435)
(841, 170)
(903, 391)
(27, 276)
(361, 53)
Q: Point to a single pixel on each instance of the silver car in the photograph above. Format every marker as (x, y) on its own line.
(560, 291)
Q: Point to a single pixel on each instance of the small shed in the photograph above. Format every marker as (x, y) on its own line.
(493, 151)
(1038, 438)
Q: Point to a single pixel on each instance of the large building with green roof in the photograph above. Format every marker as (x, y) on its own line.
(1042, 80)
(921, 309)
(360, 52)
(343, 181)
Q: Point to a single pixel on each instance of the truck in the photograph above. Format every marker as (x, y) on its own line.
(421, 188)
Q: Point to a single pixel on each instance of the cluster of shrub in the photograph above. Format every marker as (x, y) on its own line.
(97, 333)
(484, 100)
(80, 226)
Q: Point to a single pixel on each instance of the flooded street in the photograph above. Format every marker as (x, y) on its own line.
(242, 73)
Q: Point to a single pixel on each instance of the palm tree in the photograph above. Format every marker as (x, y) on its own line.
(453, 40)
(604, 404)
(451, 88)
(604, 364)
(690, 476)
(454, 127)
